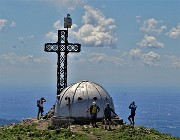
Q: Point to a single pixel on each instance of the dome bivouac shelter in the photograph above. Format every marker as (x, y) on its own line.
(75, 99)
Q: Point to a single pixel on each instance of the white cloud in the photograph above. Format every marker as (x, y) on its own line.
(174, 61)
(150, 42)
(103, 58)
(148, 59)
(121, 59)
(24, 39)
(152, 25)
(2, 23)
(68, 4)
(97, 31)
(57, 25)
(174, 32)
(98, 57)
(151, 58)
(52, 36)
(12, 58)
(138, 19)
(13, 24)
(135, 53)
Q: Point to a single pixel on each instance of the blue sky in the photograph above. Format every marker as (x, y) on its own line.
(125, 43)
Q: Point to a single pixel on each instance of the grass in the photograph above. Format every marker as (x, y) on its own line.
(80, 132)
(29, 132)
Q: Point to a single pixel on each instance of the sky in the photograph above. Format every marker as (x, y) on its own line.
(124, 43)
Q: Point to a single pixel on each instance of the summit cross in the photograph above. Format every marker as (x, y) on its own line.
(62, 47)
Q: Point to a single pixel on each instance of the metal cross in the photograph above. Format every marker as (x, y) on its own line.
(62, 48)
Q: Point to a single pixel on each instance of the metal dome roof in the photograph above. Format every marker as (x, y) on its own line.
(82, 95)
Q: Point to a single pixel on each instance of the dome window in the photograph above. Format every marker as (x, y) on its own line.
(67, 98)
(80, 98)
(95, 98)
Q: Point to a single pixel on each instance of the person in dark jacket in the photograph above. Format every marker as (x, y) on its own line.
(94, 109)
(133, 107)
(107, 114)
(40, 106)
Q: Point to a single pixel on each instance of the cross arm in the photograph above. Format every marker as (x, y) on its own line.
(55, 47)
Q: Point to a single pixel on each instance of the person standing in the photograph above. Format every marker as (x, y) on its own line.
(107, 114)
(94, 109)
(133, 107)
(40, 106)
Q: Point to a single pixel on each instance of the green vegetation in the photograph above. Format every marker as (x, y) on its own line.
(80, 132)
(30, 132)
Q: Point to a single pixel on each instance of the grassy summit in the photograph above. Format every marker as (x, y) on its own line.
(33, 129)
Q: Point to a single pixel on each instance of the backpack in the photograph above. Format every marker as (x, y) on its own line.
(38, 103)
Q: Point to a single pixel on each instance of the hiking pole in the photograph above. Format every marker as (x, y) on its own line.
(69, 107)
(69, 104)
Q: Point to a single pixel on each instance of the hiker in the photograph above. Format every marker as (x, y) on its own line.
(133, 107)
(40, 106)
(94, 109)
(107, 114)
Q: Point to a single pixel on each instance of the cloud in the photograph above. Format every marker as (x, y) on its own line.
(57, 25)
(151, 58)
(152, 25)
(13, 24)
(135, 53)
(174, 32)
(103, 58)
(12, 58)
(68, 4)
(150, 42)
(96, 31)
(174, 61)
(24, 39)
(98, 57)
(148, 59)
(3, 23)
(138, 19)
(119, 60)
(52, 35)
(71, 4)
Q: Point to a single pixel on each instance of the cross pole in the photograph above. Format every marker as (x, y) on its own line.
(62, 48)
